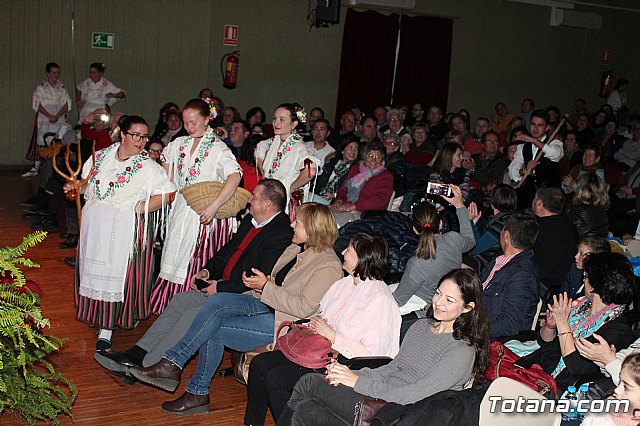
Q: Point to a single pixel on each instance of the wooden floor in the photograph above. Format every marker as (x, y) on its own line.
(103, 399)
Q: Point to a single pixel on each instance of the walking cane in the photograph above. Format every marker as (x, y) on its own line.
(540, 153)
(73, 174)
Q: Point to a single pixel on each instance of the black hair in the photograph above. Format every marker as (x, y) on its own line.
(292, 111)
(490, 132)
(346, 141)
(620, 82)
(204, 90)
(373, 257)
(317, 109)
(51, 65)
(253, 111)
(540, 113)
(99, 66)
(552, 198)
(126, 123)
(245, 125)
(523, 230)
(473, 326)
(516, 130)
(611, 276)
(275, 192)
(248, 149)
(504, 198)
(596, 244)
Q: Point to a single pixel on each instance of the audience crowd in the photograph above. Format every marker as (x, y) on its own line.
(521, 225)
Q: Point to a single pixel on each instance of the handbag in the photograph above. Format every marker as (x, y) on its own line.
(241, 361)
(304, 347)
(365, 409)
(502, 364)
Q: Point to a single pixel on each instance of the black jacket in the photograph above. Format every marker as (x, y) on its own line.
(590, 220)
(261, 253)
(327, 169)
(396, 229)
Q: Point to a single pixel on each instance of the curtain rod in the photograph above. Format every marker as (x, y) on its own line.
(399, 11)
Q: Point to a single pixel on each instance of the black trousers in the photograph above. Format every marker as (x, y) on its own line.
(271, 380)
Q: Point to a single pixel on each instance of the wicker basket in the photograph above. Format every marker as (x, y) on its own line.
(200, 195)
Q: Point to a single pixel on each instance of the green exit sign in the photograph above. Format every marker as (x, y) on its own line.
(102, 40)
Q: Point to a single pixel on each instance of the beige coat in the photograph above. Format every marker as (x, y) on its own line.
(305, 284)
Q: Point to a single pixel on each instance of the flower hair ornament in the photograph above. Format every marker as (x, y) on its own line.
(301, 114)
(213, 113)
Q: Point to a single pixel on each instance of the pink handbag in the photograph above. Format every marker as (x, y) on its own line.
(304, 347)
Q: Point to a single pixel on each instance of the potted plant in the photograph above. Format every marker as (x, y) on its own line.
(29, 385)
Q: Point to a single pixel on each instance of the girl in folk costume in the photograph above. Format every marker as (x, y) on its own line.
(285, 157)
(51, 102)
(115, 253)
(191, 238)
(96, 91)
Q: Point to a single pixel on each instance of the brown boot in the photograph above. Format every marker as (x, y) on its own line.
(163, 374)
(188, 403)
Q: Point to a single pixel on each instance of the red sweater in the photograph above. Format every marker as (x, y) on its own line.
(375, 193)
(100, 136)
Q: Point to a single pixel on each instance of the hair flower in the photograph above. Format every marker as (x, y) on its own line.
(301, 114)
(213, 113)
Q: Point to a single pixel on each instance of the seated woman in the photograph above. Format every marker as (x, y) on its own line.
(442, 352)
(358, 315)
(242, 322)
(504, 200)
(422, 150)
(174, 129)
(247, 161)
(368, 186)
(590, 205)
(448, 169)
(335, 171)
(608, 286)
(437, 254)
(590, 164)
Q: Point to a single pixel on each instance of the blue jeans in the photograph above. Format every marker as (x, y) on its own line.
(238, 321)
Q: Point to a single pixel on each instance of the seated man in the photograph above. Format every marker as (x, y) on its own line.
(510, 281)
(261, 239)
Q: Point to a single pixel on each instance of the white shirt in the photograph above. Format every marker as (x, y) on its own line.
(553, 151)
(322, 153)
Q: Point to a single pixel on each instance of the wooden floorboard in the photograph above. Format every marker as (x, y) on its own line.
(103, 399)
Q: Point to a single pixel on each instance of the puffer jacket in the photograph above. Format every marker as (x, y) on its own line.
(395, 228)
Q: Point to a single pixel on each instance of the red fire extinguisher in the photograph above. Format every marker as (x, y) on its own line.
(229, 69)
(605, 83)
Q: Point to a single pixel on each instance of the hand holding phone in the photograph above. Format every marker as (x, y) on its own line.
(439, 189)
(201, 284)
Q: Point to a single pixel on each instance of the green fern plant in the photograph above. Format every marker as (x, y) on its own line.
(29, 384)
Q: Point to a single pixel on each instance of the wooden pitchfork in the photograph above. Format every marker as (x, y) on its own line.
(540, 153)
(73, 175)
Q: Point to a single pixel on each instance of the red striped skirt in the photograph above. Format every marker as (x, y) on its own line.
(211, 238)
(137, 285)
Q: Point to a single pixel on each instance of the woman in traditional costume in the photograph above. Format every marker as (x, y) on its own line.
(51, 103)
(285, 156)
(115, 255)
(96, 91)
(192, 238)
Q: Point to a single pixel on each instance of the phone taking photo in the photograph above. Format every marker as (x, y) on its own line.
(201, 284)
(439, 189)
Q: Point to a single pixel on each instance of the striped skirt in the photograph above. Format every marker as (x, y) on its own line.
(211, 238)
(137, 285)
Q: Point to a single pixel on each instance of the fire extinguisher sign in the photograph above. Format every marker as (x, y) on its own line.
(230, 35)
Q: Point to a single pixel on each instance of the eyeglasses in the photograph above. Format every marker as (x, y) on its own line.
(374, 157)
(137, 137)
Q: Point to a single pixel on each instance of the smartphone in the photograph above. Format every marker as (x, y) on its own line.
(201, 284)
(439, 189)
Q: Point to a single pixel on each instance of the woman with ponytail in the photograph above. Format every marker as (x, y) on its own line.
(436, 255)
